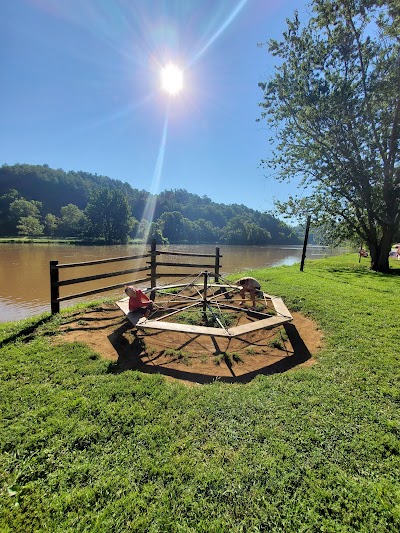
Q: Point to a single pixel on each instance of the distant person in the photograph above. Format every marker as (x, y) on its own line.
(249, 285)
(138, 301)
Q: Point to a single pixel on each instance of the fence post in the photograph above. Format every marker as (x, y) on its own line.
(217, 265)
(305, 243)
(54, 288)
(153, 267)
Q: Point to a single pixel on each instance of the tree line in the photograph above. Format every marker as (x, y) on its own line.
(36, 200)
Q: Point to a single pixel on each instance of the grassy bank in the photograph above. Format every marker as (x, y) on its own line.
(315, 449)
(37, 240)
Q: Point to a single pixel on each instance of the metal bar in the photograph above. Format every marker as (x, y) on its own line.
(174, 312)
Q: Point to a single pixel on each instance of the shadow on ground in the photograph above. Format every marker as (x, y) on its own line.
(132, 355)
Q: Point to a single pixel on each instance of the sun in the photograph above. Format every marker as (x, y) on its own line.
(172, 79)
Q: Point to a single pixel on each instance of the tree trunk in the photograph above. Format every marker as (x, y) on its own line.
(380, 252)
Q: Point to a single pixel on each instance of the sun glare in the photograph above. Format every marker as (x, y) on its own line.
(171, 79)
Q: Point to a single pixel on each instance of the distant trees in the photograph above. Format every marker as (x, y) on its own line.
(98, 209)
(30, 225)
(24, 208)
(72, 220)
(238, 227)
(26, 216)
(174, 226)
(51, 224)
(206, 232)
(108, 216)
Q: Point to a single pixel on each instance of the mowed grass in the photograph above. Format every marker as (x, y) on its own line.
(315, 449)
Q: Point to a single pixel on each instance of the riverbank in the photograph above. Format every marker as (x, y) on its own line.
(25, 272)
(316, 448)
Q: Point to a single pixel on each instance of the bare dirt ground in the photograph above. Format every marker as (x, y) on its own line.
(193, 358)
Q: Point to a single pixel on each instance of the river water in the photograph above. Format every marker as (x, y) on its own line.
(25, 277)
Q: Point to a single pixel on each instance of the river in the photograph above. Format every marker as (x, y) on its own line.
(25, 278)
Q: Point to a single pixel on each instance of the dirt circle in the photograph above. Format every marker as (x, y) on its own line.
(193, 358)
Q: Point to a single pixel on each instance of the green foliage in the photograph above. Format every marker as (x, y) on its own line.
(315, 449)
(24, 208)
(197, 318)
(108, 216)
(71, 220)
(179, 216)
(174, 226)
(279, 341)
(228, 358)
(238, 227)
(178, 355)
(30, 225)
(51, 223)
(334, 103)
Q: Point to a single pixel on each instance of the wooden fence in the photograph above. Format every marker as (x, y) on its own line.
(152, 272)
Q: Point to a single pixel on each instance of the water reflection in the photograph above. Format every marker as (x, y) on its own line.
(25, 279)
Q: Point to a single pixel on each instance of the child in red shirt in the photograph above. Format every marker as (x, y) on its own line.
(138, 301)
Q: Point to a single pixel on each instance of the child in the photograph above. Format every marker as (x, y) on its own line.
(251, 286)
(138, 301)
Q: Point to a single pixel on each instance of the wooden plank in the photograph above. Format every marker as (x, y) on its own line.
(102, 289)
(124, 305)
(159, 252)
(183, 328)
(132, 317)
(168, 326)
(267, 323)
(190, 265)
(101, 261)
(100, 276)
(280, 307)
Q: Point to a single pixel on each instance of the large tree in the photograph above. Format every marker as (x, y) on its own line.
(30, 225)
(108, 216)
(334, 105)
(71, 220)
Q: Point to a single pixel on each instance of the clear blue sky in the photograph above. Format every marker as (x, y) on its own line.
(80, 90)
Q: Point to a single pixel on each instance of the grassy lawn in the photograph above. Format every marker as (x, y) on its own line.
(315, 449)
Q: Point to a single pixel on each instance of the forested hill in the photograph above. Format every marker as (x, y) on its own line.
(55, 198)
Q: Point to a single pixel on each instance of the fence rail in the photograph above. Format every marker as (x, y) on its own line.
(152, 271)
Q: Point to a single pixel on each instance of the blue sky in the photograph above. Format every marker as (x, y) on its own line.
(80, 90)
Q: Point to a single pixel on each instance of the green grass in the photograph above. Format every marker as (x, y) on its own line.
(229, 358)
(315, 449)
(279, 340)
(38, 240)
(178, 355)
(197, 317)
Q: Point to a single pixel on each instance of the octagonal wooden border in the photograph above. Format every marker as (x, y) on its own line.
(283, 315)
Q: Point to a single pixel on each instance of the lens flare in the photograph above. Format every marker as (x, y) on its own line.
(148, 212)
